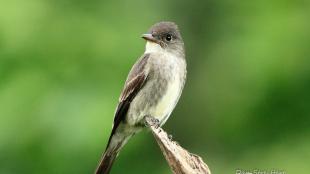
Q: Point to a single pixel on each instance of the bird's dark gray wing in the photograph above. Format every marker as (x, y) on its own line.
(136, 79)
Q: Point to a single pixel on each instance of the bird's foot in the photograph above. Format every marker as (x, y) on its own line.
(151, 121)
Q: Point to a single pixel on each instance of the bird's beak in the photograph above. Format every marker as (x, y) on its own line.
(149, 37)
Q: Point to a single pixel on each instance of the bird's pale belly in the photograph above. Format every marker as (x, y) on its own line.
(166, 104)
(146, 104)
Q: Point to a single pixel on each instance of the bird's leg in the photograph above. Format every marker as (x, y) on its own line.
(151, 121)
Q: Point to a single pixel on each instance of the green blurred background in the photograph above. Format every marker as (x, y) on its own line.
(246, 103)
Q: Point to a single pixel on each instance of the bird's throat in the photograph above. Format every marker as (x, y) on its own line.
(152, 47)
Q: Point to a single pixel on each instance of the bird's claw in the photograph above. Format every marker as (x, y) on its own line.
(151, 121)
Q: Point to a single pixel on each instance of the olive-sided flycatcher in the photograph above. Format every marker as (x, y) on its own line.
(153, 88)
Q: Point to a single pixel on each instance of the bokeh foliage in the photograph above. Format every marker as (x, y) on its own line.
(246, 103)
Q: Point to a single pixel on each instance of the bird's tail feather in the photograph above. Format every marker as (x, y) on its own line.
(106, 163)
(114, 146)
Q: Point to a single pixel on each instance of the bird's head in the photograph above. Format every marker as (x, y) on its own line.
(164, 36)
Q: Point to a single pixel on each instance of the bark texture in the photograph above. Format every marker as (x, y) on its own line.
(179, 159)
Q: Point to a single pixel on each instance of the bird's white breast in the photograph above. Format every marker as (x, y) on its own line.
(158, 100)
(166, 104)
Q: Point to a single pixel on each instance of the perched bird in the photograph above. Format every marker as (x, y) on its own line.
(153, 88)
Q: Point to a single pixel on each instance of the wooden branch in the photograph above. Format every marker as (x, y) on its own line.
(179, 159)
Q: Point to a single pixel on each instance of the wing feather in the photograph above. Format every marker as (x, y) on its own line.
(135, 81)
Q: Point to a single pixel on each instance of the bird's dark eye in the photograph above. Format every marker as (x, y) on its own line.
(168, 37)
